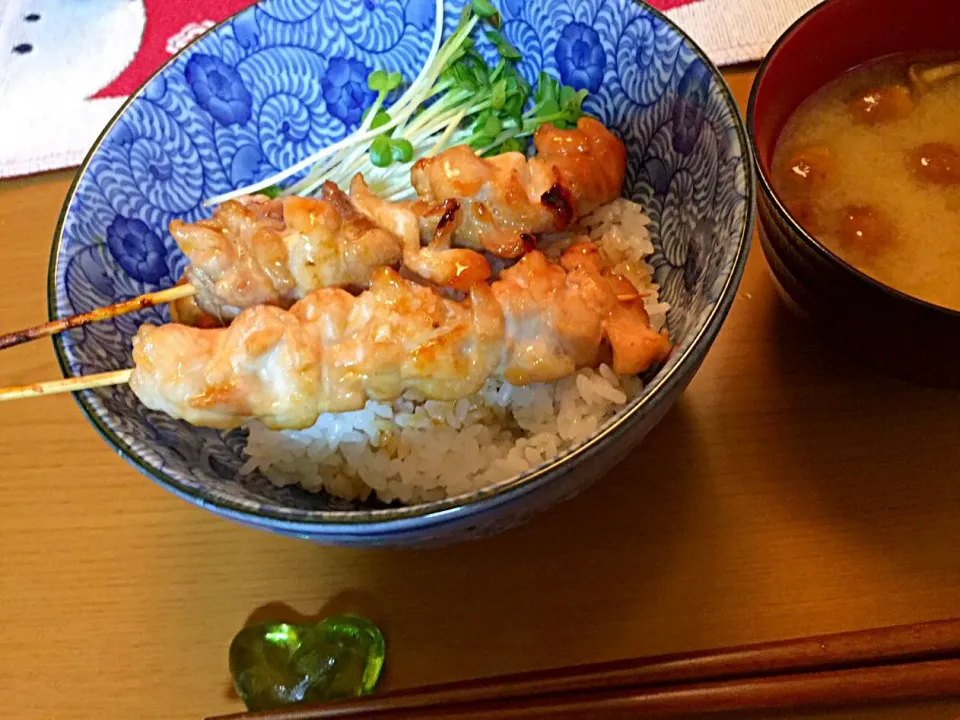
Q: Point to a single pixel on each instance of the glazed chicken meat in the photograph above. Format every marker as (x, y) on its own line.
(259, 251)
(506, 199)
(332, 351)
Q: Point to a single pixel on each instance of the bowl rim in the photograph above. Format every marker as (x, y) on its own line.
(372, 522)
(780, 207)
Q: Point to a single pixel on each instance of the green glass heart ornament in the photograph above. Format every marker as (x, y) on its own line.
(276, 664)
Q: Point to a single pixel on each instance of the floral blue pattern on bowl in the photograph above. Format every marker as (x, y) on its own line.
(286, 77)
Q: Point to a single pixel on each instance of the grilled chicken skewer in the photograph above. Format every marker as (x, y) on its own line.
(274, 252)
(262, 251)
(332, 351)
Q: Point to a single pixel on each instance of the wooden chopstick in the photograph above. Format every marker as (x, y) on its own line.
(65, 385)
(936, 679)
(899, 649)
(53, 327)
(930, 680)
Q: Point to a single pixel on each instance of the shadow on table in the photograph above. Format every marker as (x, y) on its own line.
(879, 457)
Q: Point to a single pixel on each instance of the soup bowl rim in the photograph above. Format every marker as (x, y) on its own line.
(780, 207)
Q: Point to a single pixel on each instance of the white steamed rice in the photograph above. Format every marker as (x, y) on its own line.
(417, 450)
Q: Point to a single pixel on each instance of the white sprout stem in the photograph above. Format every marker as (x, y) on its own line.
(342, 174)
(358, 161)
(394, 184)
(354, 159)
(302, 165)
(441, 106)
(317, 174)
(437, 88)
(320, 173)
(404, 108)
(424, 77)
(501, 138)
(414, 88)
(400, 172)
(446, 134)
(453, 115)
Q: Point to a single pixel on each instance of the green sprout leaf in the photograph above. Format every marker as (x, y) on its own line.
(521, 81)
(548, 108)
(381, 152)
(486, 10)
(498, 70)
(393, 81)
(491, 107)
(573, 101)
(492, 126)
(380, 119)
(464, 76)
(483, 8)
(381, 82)
(514, 103)
(547, 89)
(512, 145)
(498, 94)
(401, 150)
(481, 141)
(513, 109)
(272, 191)
(377, 80)
(503, 46)
(481, 120)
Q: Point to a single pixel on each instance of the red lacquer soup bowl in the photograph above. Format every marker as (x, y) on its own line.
(902, 334)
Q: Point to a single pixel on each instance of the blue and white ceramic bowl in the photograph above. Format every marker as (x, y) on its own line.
(282, 79)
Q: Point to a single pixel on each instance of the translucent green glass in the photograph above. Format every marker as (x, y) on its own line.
(277, 664)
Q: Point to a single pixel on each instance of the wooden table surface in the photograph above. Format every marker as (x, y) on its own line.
(789, 493)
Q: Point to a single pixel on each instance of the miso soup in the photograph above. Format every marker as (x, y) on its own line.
(870, 166)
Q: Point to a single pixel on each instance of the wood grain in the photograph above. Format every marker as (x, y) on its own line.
(789, 493)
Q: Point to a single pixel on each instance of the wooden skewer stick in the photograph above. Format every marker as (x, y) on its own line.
(121, 308)
(70, 384)
(922, 77)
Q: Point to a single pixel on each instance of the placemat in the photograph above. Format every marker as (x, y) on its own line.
(66, 66)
